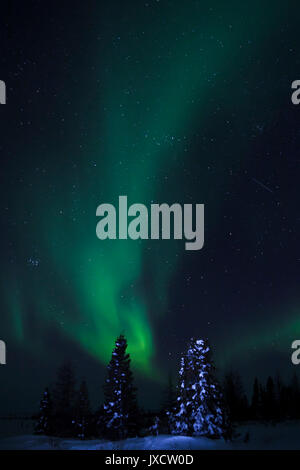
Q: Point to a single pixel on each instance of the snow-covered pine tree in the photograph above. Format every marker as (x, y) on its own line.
(199, 410)
(120, 407)
(44, 423)
(82, 412)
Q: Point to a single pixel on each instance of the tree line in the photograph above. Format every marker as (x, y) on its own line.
(198, 405)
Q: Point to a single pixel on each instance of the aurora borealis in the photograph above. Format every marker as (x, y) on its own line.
(162, 101)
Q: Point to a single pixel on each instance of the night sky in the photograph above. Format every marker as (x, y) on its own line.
(162, 101)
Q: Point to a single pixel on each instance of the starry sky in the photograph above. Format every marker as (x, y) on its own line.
(162, 101)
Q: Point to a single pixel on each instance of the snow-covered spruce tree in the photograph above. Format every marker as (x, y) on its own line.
(44, 424)
(82, 412)
(120, 407)
(199, 410)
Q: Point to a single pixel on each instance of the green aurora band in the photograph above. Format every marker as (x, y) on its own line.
(154, 80)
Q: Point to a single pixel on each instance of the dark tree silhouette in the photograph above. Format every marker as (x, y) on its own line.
(64, 400)
(82, 419)
(269, 401)
(235, 397)
(44, 424)
(256, 400)
(295, 397)
(168, 405)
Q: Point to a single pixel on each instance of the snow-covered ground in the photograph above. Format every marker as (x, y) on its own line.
(282, 436)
